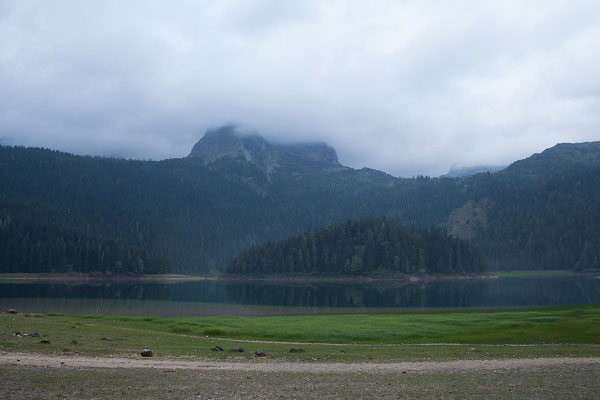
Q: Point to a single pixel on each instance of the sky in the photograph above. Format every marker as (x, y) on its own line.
(407, 87)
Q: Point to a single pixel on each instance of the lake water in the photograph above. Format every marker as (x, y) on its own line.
(260, 298)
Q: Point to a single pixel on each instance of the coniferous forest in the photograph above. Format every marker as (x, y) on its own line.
(62, 212)
(49, 248)
(359, 248)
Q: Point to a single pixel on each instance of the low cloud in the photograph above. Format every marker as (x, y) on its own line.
(405, 87)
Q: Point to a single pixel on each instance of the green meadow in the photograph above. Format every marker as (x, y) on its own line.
(555, 331)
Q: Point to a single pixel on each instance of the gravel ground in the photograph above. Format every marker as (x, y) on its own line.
(265, 365)
(44, 377)
(574, 381)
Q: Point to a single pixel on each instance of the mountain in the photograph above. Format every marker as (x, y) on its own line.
(234, 191)
(539, 212)
(226, 142)
(556, 159)
(362, 247)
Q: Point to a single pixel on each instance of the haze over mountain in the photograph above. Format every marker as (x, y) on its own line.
(193, 214)
(224, 142)
(461, 172)
(406, 87)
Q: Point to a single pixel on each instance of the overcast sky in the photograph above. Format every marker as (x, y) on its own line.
(408, 87)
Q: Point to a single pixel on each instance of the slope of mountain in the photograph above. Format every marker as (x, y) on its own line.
(235, 191)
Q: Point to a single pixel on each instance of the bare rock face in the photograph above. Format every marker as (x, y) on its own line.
(227, 141)
(315, 152)
(469, 220)
(218, 143)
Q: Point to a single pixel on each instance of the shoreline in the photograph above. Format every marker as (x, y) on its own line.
(399, 278)
(403, 278)
(279, 278)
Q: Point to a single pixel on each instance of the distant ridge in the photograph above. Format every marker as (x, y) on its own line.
(463, 172)
(556, 158)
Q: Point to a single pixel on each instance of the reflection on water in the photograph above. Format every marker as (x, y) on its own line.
(260, 298)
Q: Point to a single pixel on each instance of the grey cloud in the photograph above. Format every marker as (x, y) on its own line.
(406, 87)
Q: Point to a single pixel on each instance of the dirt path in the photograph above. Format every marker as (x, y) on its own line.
(263, 365)
(384, 344)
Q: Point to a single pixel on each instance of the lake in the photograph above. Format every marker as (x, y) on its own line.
(209, 297)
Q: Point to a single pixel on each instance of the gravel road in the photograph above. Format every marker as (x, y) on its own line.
(266, 365)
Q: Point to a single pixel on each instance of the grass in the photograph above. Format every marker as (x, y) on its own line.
(479, 334)
(545, 325)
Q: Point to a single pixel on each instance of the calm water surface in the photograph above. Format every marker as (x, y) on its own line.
(260, 298)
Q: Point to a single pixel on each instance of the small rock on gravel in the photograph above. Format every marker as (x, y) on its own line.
(259, 353)
(237, 349)
(217, 348)
(147, 353)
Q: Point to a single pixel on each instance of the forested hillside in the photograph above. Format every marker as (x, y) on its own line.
(541, 212)
(361, 248)
(194, 214)
(32, 246)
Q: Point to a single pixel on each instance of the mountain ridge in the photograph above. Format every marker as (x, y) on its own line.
(196, 215)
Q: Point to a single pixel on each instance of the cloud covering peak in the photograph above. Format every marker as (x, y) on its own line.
(406, 87)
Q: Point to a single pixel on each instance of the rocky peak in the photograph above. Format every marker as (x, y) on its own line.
(319, 152)
(226, 141)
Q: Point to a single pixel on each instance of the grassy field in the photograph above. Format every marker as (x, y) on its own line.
(548, 325)
(476, 335)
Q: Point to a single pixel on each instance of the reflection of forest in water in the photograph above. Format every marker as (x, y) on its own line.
(456, 293)
(447, 293)
(196, 291)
